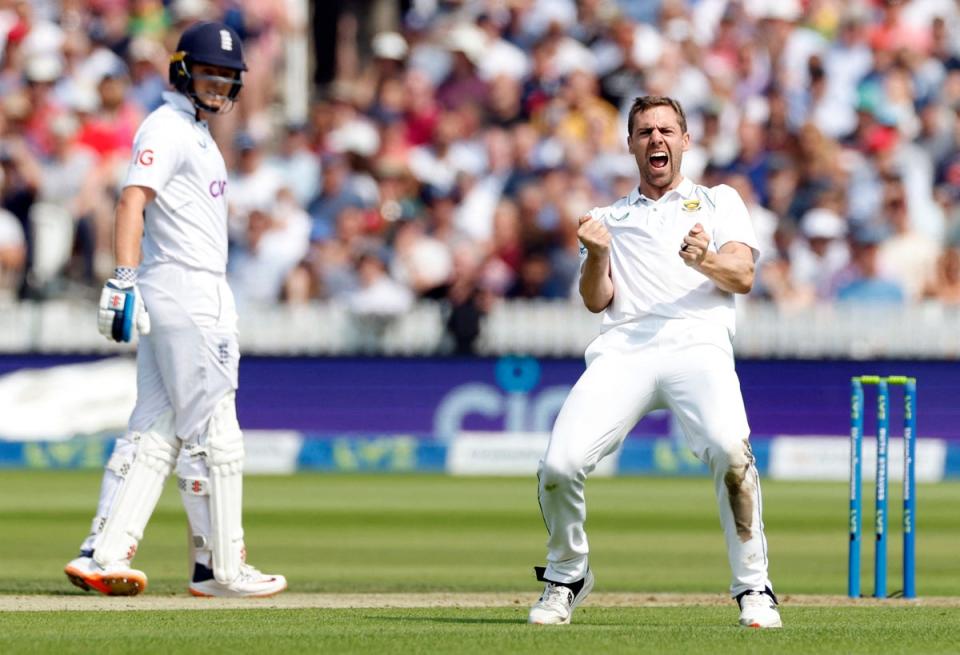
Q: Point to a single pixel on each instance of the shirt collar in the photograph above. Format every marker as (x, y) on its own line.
(684, 190)
(182, 103)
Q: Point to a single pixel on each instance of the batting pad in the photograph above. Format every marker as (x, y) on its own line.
(224, 450)
(122, 458)
(138, 494)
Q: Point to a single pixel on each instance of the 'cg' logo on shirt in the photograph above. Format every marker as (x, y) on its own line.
(144, 157)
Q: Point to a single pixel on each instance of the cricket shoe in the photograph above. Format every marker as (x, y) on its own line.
(251, 583)
(558, 601)
(758, 609)
(116, 579)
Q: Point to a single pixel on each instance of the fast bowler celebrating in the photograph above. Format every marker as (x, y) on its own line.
(187, 359)
(663, 265)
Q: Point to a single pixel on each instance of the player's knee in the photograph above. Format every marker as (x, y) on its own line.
(732, 454)
(158, 445)
(559, 472)
(224, 443)
(121, 459)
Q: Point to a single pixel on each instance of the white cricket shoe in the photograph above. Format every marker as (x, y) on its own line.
(558, 601)
(116, 579)
(251, 583)
(758, 609)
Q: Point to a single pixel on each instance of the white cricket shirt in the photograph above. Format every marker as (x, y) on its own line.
(649, 277)
(174, 154)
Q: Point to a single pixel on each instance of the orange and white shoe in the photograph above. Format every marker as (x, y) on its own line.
(113, 580)
(251, 583)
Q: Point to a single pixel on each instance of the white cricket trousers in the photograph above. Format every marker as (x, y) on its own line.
(191, 358)
(686, 366)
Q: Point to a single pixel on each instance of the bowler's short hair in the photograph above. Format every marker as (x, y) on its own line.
(643, 103)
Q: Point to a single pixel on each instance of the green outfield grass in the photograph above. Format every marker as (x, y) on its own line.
(694, 631)
(372, 533)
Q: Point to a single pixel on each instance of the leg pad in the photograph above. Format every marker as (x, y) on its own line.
(139, 492)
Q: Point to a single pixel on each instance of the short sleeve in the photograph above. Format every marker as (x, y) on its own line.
(156, 157)
(733, 221)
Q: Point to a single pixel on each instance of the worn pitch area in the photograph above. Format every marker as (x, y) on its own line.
(74, 602)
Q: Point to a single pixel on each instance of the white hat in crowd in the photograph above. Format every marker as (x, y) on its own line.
(822, 223)
(468, 39)
(43, 68)
(358, 137)
(390, 45)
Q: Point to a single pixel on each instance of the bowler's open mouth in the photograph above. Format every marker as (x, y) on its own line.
(659, 159)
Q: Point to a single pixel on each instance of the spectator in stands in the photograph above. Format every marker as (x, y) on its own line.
(817, 258)
(147, 73)
(487, 125)
(753, 159)
(482, 191)
(441, 213)
(13, 253)
(335, 196)
(862, 282)
(449, 153)
(253, 184)
(109, 130)
(276, 241)
(70, 191)
(359, 146)
(377, 294)
(301, 285)
(296, 164)
(40, 74)
(847, 61)
(583, 116)
(468, 298)
(944, 286)
(333, 258)
(262, 25)
(894, 32)
(536, 278)
(148, 18)
(463, 84)
(819, 167)
(422, 111)
(775, 280)
(907, 255)
(19, 181)
(421, 262)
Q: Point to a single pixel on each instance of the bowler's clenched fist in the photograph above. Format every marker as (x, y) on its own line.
(694, 246)
(593, 235)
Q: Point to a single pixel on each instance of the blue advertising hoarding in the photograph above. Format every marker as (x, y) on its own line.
(435, 397)
(457, 415)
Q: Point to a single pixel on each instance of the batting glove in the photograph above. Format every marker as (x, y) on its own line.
(121, 307)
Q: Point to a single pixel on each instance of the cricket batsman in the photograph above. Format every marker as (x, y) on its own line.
(173, 210)
(662, 265)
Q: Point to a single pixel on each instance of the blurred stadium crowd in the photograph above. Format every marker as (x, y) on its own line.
(453, 151)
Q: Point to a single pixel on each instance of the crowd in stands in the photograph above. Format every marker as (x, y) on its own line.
(453, 153)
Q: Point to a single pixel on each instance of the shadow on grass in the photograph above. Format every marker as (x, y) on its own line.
(445, 619)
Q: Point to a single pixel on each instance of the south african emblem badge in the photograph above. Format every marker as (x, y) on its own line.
(691, 205)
